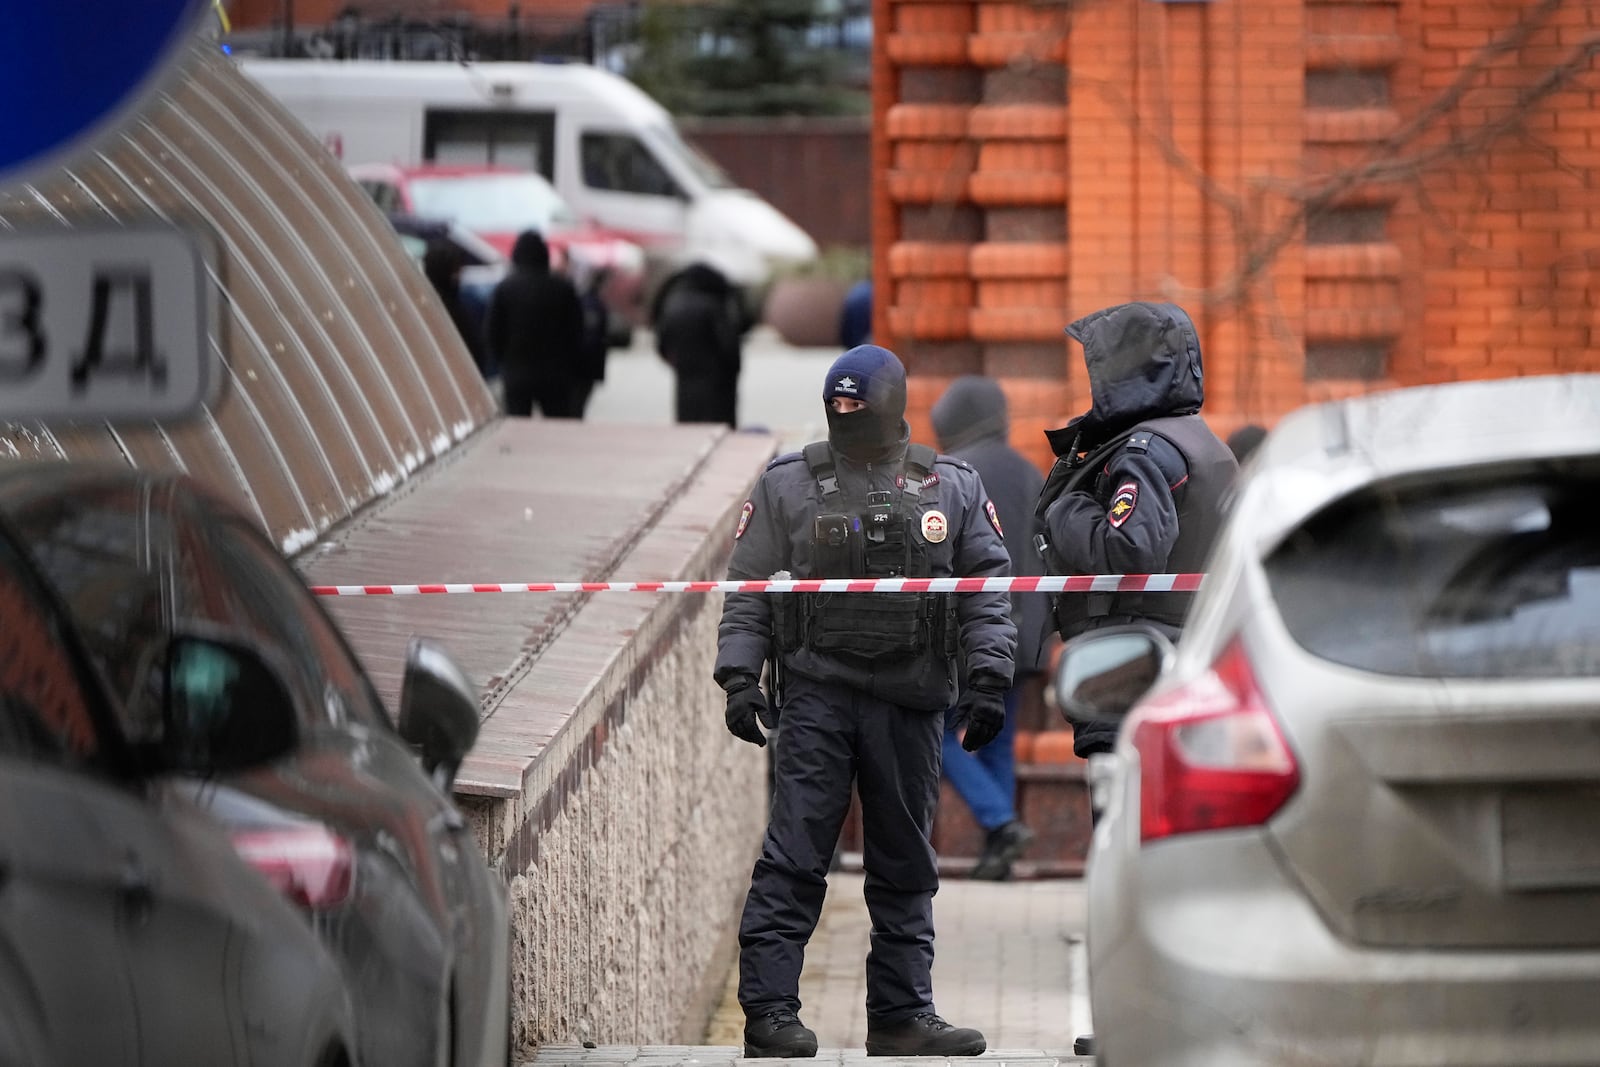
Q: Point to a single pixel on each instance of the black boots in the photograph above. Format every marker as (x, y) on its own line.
(778, 1034)
(1000, 851)
(923, 1035)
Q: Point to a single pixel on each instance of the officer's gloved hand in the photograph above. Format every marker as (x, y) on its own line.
(769, 714)
(746, 703)
(983, 709)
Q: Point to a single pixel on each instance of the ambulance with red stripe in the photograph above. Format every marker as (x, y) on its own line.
(612, 152)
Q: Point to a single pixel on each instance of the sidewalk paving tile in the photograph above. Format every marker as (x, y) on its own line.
(1003, 963)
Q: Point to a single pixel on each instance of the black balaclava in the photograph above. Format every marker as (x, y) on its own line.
(874, 376)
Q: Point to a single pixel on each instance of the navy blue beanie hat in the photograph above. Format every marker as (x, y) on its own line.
(876, 377)
(873, 375)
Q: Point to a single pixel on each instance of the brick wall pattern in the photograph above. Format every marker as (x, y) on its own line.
(1347, 195)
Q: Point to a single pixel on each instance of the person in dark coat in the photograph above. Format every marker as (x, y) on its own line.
(596, 338)
(697, 326)
(855, 315)
(1141, 483)
(442, 263)
(971, 423)
(534, 333)
(862, 685)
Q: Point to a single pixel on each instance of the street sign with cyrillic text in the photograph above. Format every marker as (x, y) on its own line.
(105, 324)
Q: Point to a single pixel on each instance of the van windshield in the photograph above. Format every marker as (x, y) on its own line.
(697, 161)
(492, 203)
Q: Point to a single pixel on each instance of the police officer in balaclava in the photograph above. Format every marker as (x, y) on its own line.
(861, 681)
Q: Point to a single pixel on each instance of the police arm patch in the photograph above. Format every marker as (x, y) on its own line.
(994, 517)
(1123, 503)
(745, 512)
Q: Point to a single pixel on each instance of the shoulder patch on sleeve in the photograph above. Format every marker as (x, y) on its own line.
(994, 517)
(1123, 501)
(745, 512)
(787, 457)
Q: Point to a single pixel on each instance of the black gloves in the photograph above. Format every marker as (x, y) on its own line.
(746, 703)
(982, 710)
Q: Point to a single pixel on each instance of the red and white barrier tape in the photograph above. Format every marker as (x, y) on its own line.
(1050, 583)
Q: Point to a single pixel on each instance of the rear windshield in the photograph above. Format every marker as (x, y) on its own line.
(1496, 577)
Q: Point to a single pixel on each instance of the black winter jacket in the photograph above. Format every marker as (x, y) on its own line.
(534, 327)
(1143, 363)
(697, 331)
(775, 533)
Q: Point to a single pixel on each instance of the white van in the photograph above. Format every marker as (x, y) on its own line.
(608, 148)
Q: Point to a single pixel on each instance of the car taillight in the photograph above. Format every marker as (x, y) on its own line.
(1210, 755)
(313, 867)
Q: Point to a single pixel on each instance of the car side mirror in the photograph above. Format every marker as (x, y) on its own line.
(226, 709)
(1102, 674)
(438, 710)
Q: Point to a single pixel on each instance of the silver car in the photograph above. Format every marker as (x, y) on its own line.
(1356, 819)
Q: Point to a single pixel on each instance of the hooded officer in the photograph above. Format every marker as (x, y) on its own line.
(863, 680)
(1140, 482)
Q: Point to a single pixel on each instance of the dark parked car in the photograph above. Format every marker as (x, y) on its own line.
(354, 821)
(131, 932)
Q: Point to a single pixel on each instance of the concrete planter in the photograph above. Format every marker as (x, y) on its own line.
(805, 311)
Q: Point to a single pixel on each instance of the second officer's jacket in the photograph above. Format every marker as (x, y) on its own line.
(1149, 498)
(960, 534)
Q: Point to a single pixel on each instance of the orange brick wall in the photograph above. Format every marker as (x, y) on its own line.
(1033, 163)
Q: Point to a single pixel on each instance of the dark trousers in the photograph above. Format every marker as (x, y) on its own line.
(832, 735)
(554, 401)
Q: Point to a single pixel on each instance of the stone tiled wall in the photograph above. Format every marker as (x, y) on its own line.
(621, 911)
(628, 850)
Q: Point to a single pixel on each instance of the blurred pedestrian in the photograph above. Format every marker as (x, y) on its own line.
(971, 423)
(442, 262)
(697, 322)
(596, 335)
(534, 333)
(855, 315)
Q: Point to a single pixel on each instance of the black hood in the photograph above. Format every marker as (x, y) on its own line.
(531, 253)
(695, 278)
(973, 409)
(1143, 362)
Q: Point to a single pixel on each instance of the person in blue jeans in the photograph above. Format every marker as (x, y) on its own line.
(971, 423)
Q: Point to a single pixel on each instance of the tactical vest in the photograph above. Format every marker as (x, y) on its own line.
(875, 538)
(1200, 514)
